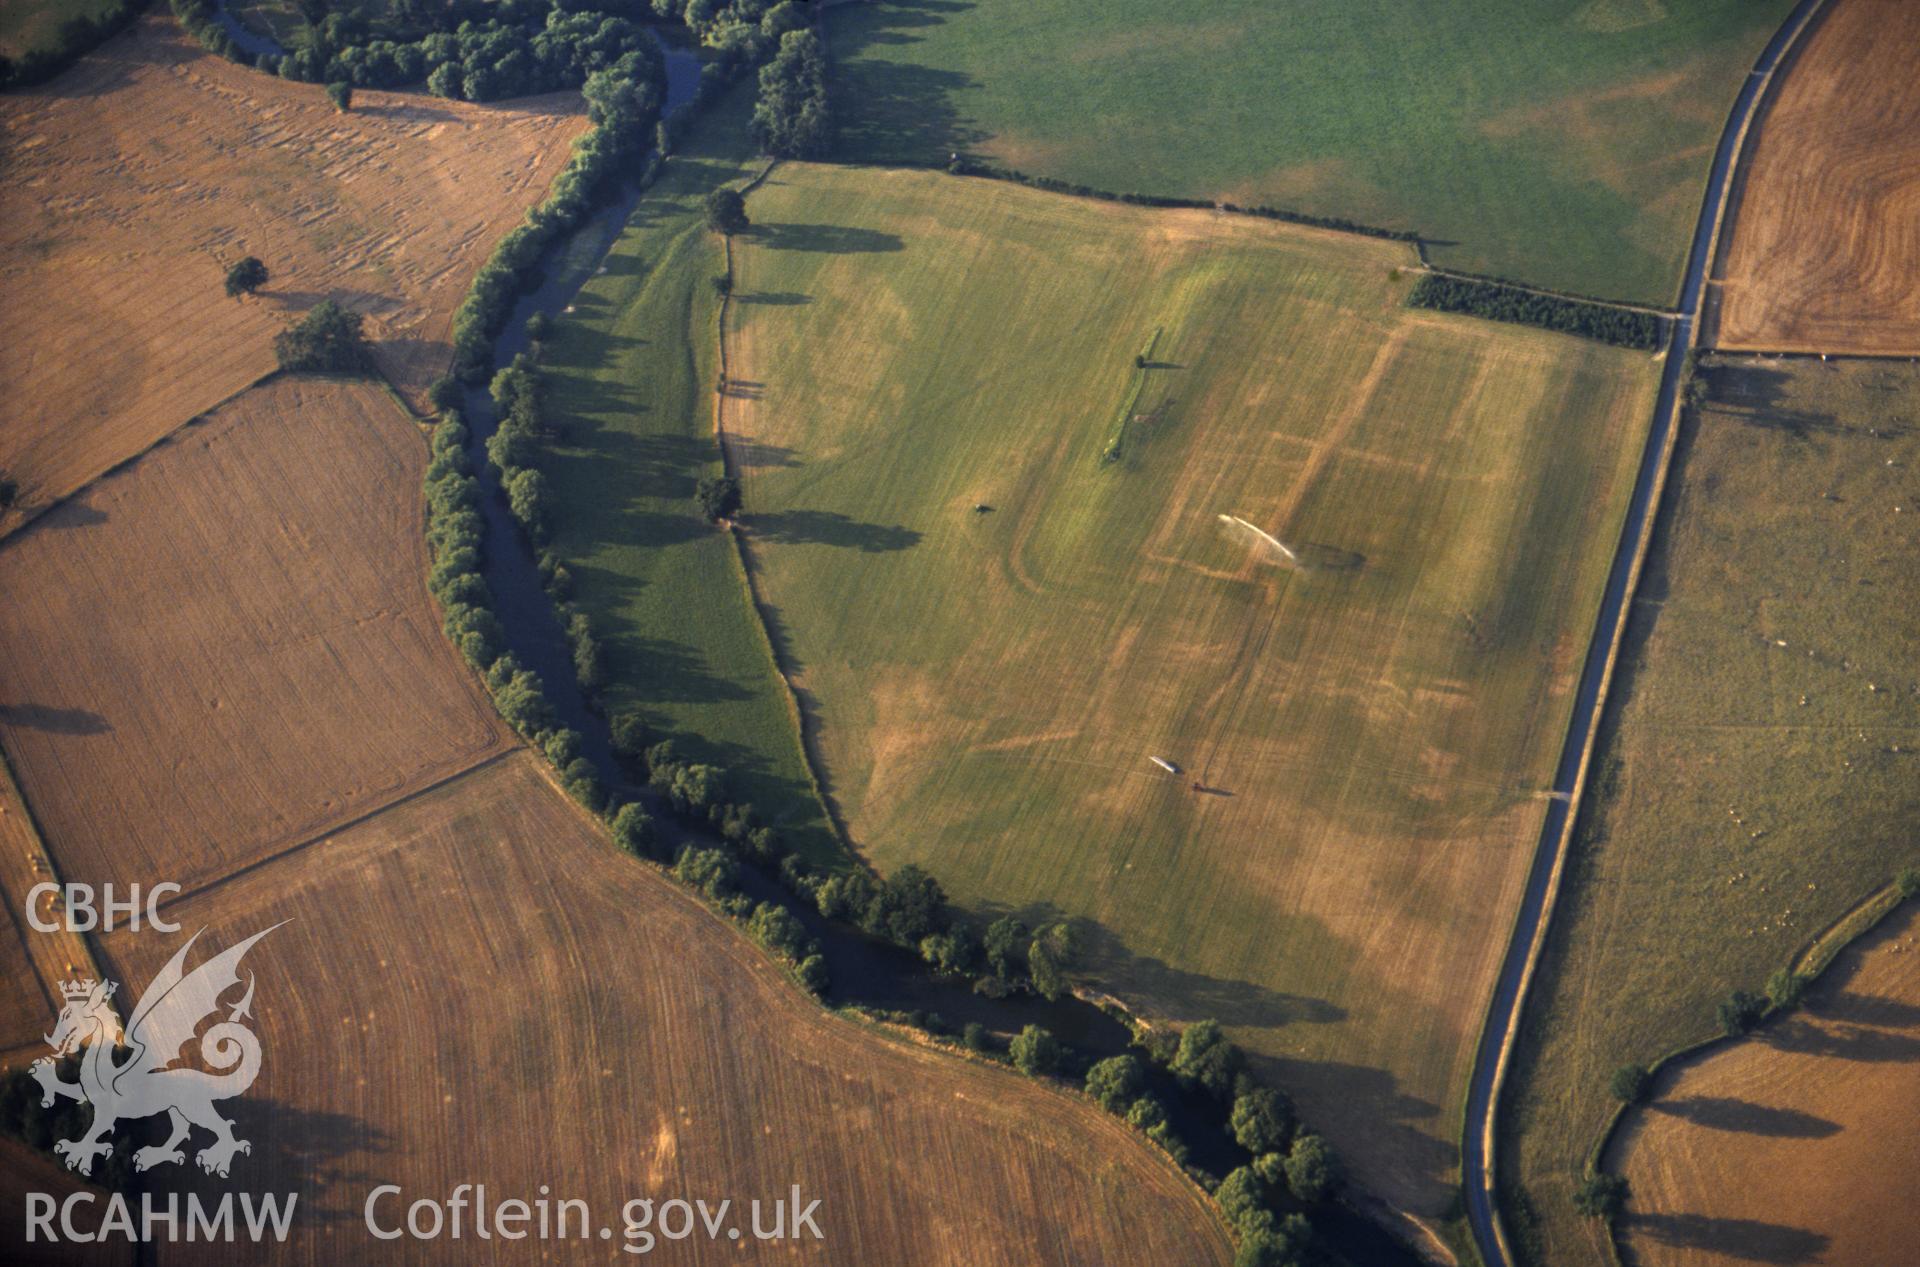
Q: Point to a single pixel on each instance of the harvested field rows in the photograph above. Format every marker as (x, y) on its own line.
(1796, 1145)
(134, 179)
(1365, 735)
(228, 646)
(1824, 254)
(475, 987)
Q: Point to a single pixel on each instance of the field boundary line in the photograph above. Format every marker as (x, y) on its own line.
(1481, 1154)
(34, 868)
(28, 518)
(1731, 351)
(344, 824)
(743, 558)
(1543, 291)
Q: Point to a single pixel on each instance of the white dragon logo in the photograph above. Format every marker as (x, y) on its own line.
(164, 1022)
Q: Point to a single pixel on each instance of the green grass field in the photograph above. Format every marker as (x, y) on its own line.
(1372, 725)
(1749, 790)
(26, 25)
(1559, 142)
(630, 375)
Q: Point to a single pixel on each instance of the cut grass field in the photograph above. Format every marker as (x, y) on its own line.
(1373, 727)
(1795, 1145)
(474, 986)
(137, 177)
(228, 646)
(1755, 775)
(1559, 142)
(1824, 253)
(630, 377)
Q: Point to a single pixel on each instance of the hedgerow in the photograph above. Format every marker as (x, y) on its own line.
(75, 39)
(1495, 301)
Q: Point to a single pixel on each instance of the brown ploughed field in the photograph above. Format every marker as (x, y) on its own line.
(1824, 252)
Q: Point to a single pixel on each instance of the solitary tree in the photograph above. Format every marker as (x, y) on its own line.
(727, 212)
(341, 94)
(9, 493)
(718, 497)
(1740, 1011)
(1908, 881)
(1035, 1051)
(246, 277)
(1601, 1196)
(1629, 1083)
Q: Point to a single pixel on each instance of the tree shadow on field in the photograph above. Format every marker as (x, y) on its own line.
(1105, 955)
(830, 239)
(775, 298)
(756, 455)
(831, 528)
(1843, 1042)
(1748, 1239)
(1869, 1009)
(75, 514)
(1756, 395)
(1722, 1113)
(54, 721)
(896, 109)
(293, 1150)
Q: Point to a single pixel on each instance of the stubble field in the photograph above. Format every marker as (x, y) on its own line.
(474, 986)
(1756, 775)
(1824, 252)
(1371, 728)
(1794, 1146)
(136, 178)
(228, 646)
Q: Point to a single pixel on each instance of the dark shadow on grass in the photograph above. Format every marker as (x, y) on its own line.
(775, 298)
(830, 527)
(1722, 1113)
(1755, 395)
(894, 109)
(756, 455)
(54, 721)
(1748, 1239)
(830, 239)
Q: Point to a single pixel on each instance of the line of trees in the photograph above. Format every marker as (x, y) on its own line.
(1496, 301)
(75, 38)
